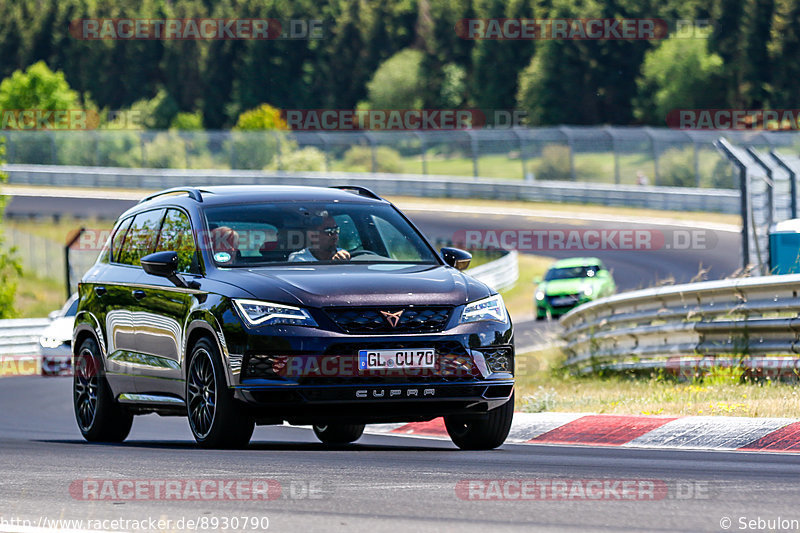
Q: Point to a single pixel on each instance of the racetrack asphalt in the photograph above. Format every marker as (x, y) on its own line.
(381, 483)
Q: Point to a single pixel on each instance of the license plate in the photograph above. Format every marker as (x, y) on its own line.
(383, 359)
(563, 300)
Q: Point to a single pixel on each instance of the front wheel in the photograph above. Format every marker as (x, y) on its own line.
(339, 433)
(481, 433)
(215, 419)
(100, 418)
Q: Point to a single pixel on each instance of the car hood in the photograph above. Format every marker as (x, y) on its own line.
(567, 286)
(353, 284)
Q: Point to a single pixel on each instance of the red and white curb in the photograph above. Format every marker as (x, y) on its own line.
(690, 432)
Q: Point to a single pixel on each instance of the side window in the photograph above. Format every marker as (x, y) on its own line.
(396, 243)
(116, 242)
(141, 238)
(176, 236)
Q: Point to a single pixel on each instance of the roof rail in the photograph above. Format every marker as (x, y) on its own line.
(193, 193)
(361, 191)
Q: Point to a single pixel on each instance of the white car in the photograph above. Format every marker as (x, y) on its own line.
(55, 343)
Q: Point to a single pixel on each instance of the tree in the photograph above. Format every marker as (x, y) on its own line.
(37, 87)
(496, 63)
(396, 83)
(786, 90)
(10, 268)
(679, 74)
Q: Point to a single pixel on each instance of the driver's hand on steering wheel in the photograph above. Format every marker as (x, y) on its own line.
(341, 255)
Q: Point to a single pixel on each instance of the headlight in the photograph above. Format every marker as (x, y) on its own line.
(267, 313)
(491, 308)
(588, 290)
(540, 295)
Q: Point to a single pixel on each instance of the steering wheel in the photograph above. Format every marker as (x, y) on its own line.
(356, 253)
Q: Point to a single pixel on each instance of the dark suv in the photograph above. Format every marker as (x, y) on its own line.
(250, 305)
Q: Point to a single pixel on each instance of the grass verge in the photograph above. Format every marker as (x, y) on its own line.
(541, 386)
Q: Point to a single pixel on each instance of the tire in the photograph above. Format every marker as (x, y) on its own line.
(215, 418)
(100, 418)
(339, 433)
(481, 433)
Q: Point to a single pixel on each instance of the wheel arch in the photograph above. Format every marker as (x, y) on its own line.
(204, 324)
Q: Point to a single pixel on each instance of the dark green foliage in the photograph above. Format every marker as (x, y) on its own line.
(572, 82)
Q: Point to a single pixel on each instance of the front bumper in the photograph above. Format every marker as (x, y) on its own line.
(474, 373)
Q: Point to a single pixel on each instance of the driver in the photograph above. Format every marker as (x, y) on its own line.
(323, 242)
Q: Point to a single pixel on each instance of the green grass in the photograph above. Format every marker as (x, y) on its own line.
(36, 297)
(543, 386)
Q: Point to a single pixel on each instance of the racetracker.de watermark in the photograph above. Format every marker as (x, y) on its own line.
(195, 29)
(195, 490)
(401, 119)
(596, 29)
(734, 119)
(586, 240)
(565, 489)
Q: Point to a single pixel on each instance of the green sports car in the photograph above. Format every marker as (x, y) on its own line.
(569, 283)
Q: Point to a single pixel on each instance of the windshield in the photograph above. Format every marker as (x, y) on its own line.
(318, 232)
(572, 272)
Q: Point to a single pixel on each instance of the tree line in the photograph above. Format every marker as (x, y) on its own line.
(742, 54)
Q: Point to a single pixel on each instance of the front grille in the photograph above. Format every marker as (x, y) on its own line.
(372, 320)
(499, 359)
(563, 300)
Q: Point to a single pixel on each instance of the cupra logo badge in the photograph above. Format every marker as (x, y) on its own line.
(392, 318)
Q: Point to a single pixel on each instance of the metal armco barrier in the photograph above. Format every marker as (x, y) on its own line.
(21, 335)
(650, 197)
(500, 273)
(754, 322)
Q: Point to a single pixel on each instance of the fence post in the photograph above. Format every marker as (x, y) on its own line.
(373, 148)
(744, 200)
(53, 150)
(473, 146)
(572, 172)
(521, 153)
(696, 164)
(792, 181)
(616, 154)
(422, 152)
(326, 155)
(656, 173)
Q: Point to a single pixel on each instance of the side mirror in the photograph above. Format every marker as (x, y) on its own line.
(537, 280)
(165, 265)
(456, 258)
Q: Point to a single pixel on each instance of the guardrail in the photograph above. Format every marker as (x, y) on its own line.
(500, 273)
(750, 322)
(650, 197)
(20, 336)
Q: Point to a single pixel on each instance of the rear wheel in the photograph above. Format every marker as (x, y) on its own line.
(100, 418)
(339, 433)
(481, 433)
(215, 419)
